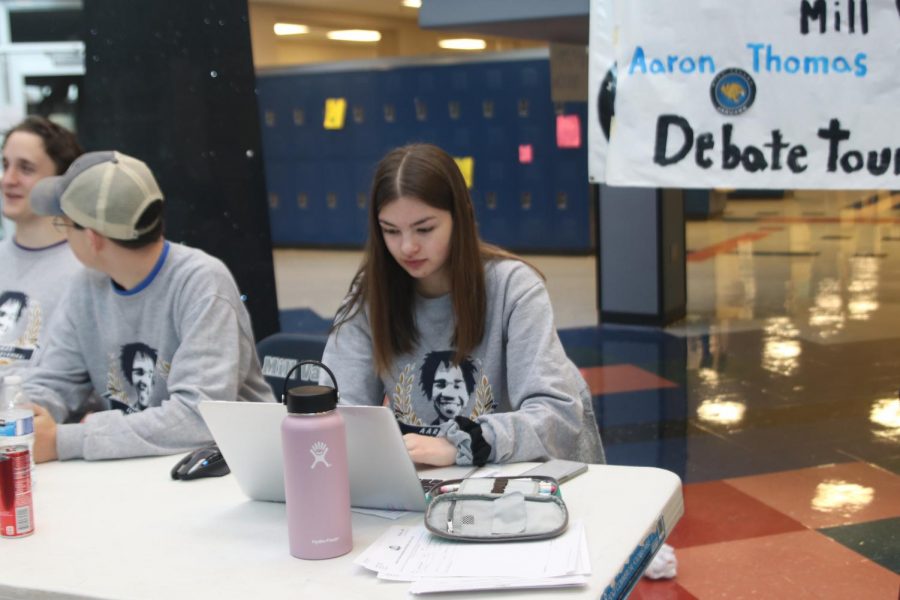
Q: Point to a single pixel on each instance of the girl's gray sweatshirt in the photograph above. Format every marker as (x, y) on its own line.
(516, 398)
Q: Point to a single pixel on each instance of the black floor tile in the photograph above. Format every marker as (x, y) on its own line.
(878, 541)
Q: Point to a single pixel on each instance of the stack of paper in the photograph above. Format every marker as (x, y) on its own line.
(434, 564)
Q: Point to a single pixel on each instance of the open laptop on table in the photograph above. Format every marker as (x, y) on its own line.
(381, 473)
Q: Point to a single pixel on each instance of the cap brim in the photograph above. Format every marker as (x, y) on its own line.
(45, 196)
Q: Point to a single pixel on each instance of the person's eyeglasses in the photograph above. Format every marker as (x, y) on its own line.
(61, 224)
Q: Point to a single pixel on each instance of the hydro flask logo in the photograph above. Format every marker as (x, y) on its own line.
(319, 450)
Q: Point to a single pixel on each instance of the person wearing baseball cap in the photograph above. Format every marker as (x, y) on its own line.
(179, 305)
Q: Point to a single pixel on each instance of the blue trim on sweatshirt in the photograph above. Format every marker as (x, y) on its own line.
(148, 279)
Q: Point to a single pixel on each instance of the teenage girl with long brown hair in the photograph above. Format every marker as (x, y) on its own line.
(456, 333)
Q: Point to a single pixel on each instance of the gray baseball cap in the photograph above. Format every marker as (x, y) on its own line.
(105, 191)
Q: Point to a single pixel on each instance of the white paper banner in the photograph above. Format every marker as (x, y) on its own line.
(601, 87)
(763, 94)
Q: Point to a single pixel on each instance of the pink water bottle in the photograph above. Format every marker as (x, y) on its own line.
(316, 483)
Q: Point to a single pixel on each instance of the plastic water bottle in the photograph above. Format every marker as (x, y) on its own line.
(316, 481)
(16, 419)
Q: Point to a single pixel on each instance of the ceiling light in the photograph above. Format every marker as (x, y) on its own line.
(290, 29)
(354, 35)
(463, 44)
(412, 3)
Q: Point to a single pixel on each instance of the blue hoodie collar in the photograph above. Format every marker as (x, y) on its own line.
(148, 279)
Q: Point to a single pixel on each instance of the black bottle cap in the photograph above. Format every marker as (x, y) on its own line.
(309, 399)
(312, 398)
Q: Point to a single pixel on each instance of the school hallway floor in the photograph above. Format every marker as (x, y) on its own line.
(775, 400)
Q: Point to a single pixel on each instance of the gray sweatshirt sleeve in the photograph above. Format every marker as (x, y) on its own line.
(60, 381)
(546, 407)
(348, 354)
(209, 364)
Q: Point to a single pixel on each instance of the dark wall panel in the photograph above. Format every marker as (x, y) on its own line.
(172, 82)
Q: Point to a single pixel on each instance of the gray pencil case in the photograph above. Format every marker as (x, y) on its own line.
(496, 509)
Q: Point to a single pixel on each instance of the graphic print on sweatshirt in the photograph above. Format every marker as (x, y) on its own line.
(141, 369)
(20, 324)
(437, 391)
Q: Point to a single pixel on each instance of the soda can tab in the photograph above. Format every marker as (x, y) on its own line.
(16, 507)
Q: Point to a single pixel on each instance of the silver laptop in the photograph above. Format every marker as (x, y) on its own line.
(382, 476)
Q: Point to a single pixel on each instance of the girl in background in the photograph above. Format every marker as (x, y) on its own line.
(456, 334)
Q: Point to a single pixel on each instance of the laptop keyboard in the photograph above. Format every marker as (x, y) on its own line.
(427, 484)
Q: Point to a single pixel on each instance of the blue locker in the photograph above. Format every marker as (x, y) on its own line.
(273, 107)
(482, 109)
(282, 202)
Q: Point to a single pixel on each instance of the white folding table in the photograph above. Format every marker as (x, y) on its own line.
(124, 529)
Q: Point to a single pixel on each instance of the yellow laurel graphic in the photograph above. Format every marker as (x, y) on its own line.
(402, 398)
(114, 388)
(162, 368)
(29, 338)
(484, 398)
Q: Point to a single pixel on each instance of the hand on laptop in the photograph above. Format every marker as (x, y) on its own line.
(431, 451)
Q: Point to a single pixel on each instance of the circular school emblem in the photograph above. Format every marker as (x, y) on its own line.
(732, 91)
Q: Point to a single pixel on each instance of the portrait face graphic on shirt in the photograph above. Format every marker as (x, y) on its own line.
(12, 305)
(138, 365)
(448, 392)
(447, 385)
(142, 377)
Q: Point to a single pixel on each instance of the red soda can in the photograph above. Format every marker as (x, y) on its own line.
(16, 509)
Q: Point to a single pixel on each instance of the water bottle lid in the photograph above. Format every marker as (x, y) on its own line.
(310, 399)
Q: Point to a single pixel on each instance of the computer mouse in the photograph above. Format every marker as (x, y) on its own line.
(205, 462)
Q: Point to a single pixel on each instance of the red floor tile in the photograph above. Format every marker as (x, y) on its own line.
(726, 246)
(622, 378)
(716, 512)
(663, 589)
(828, 495)
(802, 565)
